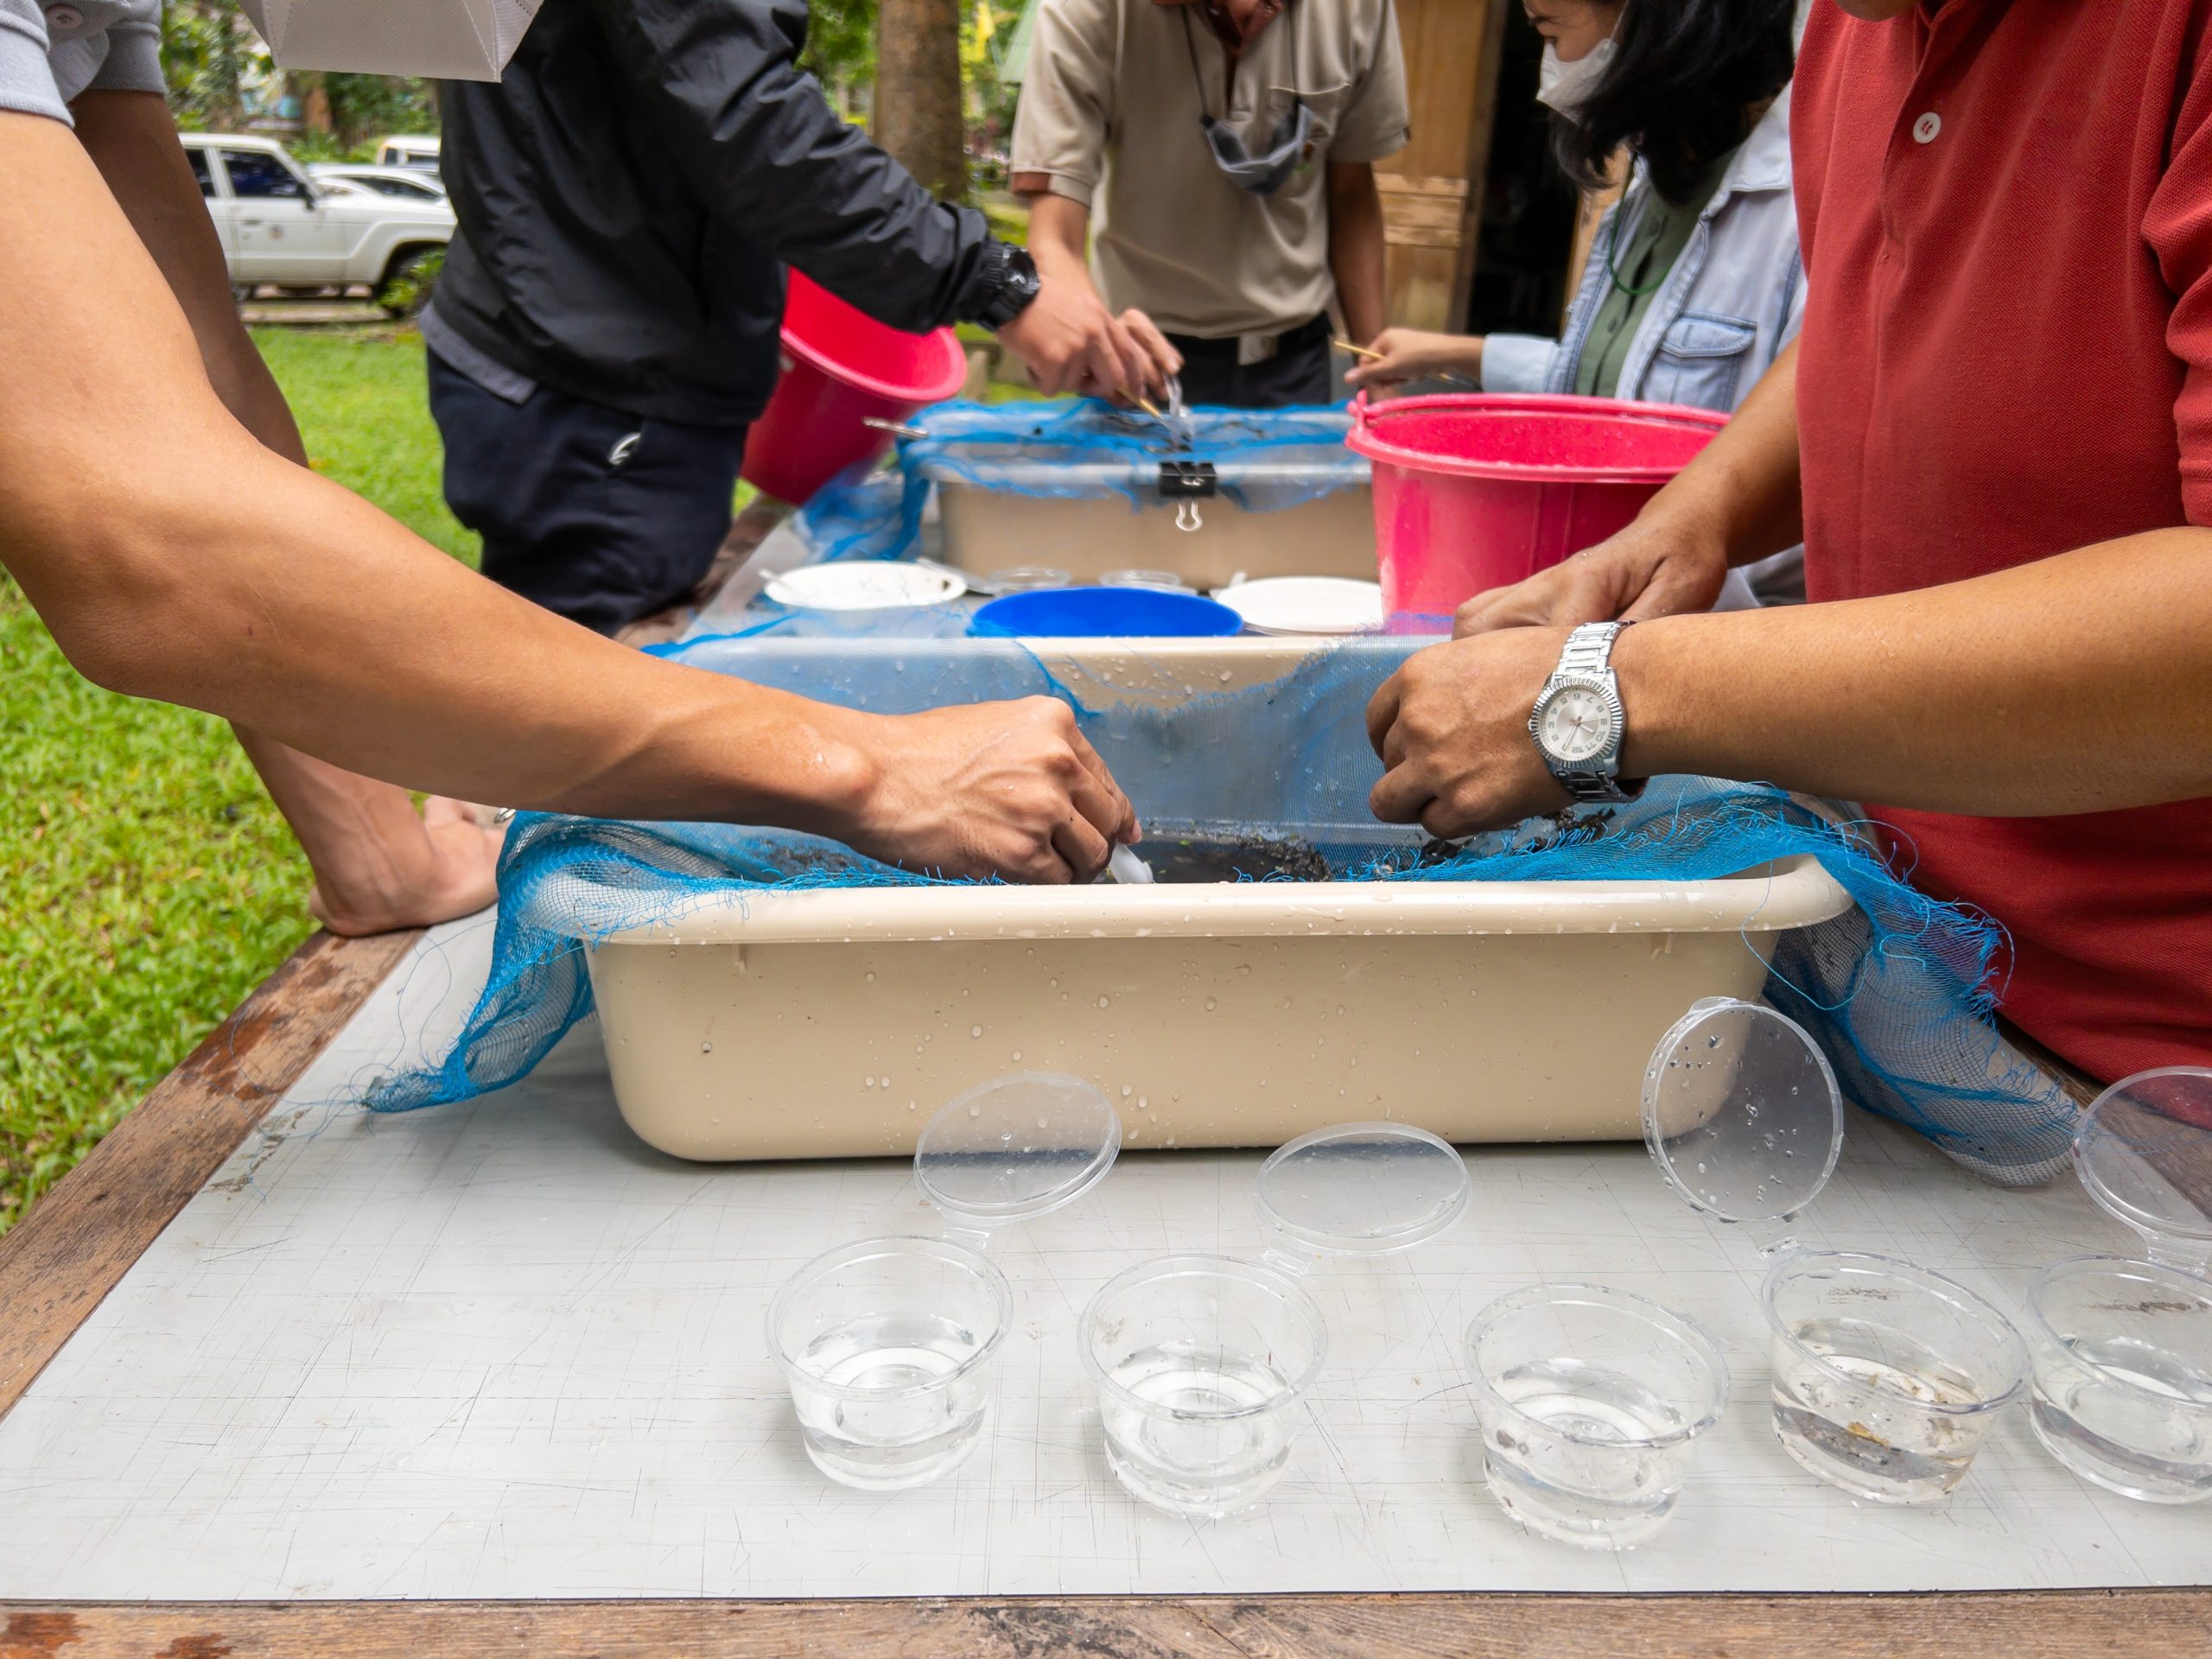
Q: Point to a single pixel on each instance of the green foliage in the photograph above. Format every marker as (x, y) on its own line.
(210, 58)
(841, 43)
(147, 882)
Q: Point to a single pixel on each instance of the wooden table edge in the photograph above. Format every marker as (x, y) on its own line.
(60, 1261)
(2020, 1625)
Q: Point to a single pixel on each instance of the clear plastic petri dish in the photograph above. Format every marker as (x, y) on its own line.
(887, 1347)
(1203, 1363)
(1022, 579)
(2144, 1154)
(2122, 1352)
(1016, 1148)
(1741, 1111)
(1887, 1377)
(1358, 1189)
(1166, 582)
(1588, 1401)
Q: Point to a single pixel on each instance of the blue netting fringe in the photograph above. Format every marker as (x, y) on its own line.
(1897, 989)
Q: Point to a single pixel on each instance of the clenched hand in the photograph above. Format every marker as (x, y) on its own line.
(1006, 789)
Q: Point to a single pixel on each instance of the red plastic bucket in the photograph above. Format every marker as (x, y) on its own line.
(841, 368)
(1475, 491)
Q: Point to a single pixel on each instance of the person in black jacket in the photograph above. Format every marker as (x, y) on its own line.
(605, 329)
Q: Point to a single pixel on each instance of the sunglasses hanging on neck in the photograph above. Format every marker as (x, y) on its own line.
(1266, 173)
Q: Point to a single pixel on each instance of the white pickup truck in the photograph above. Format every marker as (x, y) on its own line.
(279, 230)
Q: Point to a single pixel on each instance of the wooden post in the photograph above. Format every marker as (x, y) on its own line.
(1432, 188)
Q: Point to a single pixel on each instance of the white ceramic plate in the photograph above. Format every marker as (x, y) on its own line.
(864, 585)
(1289, 605)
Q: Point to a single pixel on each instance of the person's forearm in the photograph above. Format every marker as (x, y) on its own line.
(1357, 249)
(2081, 682)
(176, 556)
(1742, 492)
(1060, 237)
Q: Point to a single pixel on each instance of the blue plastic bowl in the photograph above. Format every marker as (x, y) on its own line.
(1105, 613)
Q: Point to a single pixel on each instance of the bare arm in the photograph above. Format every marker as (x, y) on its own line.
(174, 555)
(377, 864)
(2079, 684)
(1355, 246)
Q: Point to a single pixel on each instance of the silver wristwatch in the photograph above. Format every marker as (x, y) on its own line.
(1577, 722)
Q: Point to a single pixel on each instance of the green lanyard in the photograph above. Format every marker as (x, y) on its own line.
(1612, 259)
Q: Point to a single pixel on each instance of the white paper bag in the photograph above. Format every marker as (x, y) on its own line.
(444, 40)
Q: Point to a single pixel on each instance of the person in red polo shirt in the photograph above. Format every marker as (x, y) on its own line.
(1994, 437)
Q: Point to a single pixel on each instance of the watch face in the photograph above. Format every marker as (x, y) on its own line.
(1575, 726)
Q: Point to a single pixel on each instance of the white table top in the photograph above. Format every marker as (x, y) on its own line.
(504, 1349)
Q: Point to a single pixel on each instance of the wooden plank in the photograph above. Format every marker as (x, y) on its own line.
(1451, 50)
(79, 1240)
(2113, 1625)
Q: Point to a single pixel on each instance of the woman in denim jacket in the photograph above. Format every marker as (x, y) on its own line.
(1693, 283)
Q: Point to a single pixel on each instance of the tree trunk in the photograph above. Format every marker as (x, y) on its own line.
(314, 102)
(918, 106)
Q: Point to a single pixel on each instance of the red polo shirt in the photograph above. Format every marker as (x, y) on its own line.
(2007, 216)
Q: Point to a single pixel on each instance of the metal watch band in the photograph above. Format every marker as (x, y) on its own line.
(1589, 649)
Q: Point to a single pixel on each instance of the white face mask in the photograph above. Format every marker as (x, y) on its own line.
(1566, 86)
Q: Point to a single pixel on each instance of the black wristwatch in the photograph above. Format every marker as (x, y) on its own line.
(1008, 282)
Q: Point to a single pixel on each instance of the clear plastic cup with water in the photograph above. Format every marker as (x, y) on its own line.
(1887, 1377)
(889, 1346)
(1203, 1363)
(1590, 1401)
(2122, 1352)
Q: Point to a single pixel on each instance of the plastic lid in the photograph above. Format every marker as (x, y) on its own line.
(2144, 1152)
(1742, 1112)
(1362, 1189)
(1016, 1148)
(864, 585)
(1300, 604)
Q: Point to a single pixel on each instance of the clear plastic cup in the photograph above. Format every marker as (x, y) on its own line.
(888, 1345)
(1589, 1401)
(2123, 1375)
(1203, 1363)
(1887, 1377)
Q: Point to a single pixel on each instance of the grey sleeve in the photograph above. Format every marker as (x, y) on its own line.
(26, 77)
(134, 52)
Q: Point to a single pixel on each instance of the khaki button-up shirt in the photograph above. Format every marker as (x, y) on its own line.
(1109, 117)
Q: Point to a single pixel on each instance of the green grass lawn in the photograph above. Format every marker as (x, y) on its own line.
(146, 881)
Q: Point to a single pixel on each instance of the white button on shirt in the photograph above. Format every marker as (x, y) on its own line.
(1925, 128)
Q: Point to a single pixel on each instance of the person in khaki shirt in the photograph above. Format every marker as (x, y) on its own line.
(1226, 148)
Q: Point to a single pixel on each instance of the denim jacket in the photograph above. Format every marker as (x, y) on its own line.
(1733, 300)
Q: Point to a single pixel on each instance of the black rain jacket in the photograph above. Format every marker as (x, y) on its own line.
(631, 190)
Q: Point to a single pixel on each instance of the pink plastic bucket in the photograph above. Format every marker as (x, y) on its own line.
(1475, 491)
(841, 368)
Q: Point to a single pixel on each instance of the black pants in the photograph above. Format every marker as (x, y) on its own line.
(1297, 374)
(591, 511)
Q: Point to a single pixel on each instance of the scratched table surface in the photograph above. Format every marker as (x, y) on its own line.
(504, 1349)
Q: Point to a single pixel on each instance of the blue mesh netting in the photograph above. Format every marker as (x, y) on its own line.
(1897, 988)
(1263, 460)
